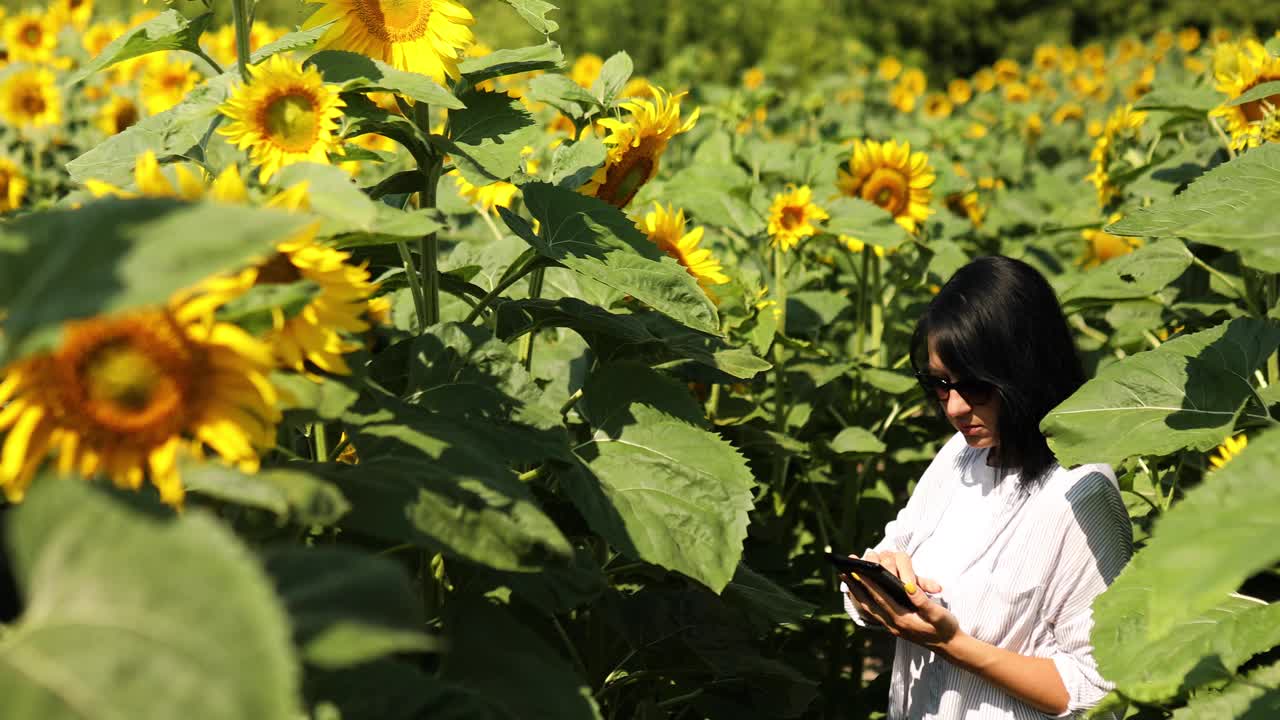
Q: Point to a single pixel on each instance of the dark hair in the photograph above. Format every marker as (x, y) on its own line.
(998, 321)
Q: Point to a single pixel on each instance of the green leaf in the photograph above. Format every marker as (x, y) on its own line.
(358, 72)
(1256, 696)
(1186, 393)
(327, 399)
(511, 667)
(562, 94)
(535, 12)
(857, 440)
(1204, 648)
(1195, 100)
(1140, 274)
(1224, 529)
(128, 615)
(888, 380)
(650, 336)
(762, 596)
(297, 40)
(1258, 92)
(292, 494)
(391, 225)
(865, 221)
(487, 136)
(176, 131)
(254, 310)
(130, 246)
(657, 487)
(168, 31)
(500, 63)
(716, 195)
(572, 165)
(614, 75)
(597, 240)
(1231, 207)
(347, 607)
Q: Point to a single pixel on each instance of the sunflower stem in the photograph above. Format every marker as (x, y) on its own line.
(429, 244)
(322, 442)
(780, 460)
(512, 276)
(526, 343)
(415, 286)
(213, 64)
(240, 18)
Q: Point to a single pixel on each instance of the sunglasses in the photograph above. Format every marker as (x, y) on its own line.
(974, 392)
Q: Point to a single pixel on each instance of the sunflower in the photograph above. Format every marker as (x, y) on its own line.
(421, 36)
(340, 304)
(30, 99)
(1094, 56)
(13, 185)
(31, 36)
(165, 83)
(283, 115)
(984, 80)
(485, 197)
(99, 36)
(1123, 124)
(151, 181)
(753, 78)
(1016, 92)
(1006, 71)
(902, 98)
(889, 68)
(857, 246)
(791, 217)
(976, 131)
(74, 12)
(1189, 39)
(888, 174)
(636, 145)
(1238, 68)
(1101, 246)
(586, 69)
(960, 91)
(1045, 58)
(937, 105)
(117, 115)
(1068, 111)
(666, 229)
(914, 80)
(1229, 449)
(128, 396)
(1128, 48)
(966, 205)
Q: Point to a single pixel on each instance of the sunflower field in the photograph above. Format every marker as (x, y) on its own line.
(360, 370)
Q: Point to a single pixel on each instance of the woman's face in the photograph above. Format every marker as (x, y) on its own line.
(976, 422)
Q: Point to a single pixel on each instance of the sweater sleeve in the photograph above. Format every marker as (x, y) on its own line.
(1097, 544)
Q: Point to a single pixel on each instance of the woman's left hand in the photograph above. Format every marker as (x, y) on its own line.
(925, 623)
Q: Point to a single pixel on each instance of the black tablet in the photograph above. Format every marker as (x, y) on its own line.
(873, 573)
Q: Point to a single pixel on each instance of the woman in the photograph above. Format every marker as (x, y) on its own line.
(1001, 549)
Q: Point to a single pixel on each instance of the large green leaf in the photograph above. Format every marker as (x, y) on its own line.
(129, 245)
(517, 672)
(1139, 274)
(1195, 100)
(486, 137)
(573, 164)
(715, 195)
(358, 72)
(168, 31)
(865, 221)
(1256, 696)
(597, 240)
(650, 336)
(499, 63)
(562, 94)
(131, 614)
(535, 12)
(1256, 93)
(1231, 206)
(1201, 550)
(291, 494)
(657, 487)
(179, 130)
(347, 607)
(1185, 394)
(1202, 649)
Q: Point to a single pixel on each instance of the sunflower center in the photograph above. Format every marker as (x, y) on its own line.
(279, 270)
(1254, 110)
(792, 217)
(32, 102)
(128, 379)
(291, 122)
(31, 35)
(887, 188)
(126, 117)
(394, 20)
(633, 169)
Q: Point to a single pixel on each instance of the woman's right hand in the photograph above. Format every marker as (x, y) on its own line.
(899, 563)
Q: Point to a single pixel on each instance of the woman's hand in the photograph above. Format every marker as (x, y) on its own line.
(925, 623)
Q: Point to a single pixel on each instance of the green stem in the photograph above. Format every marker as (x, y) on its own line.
(1226, 142)
(429, 244)
(213, 64)
(240, 18)
(781, 460)
(1221, 276)
(415, 286)
(526, 343)
(508, 281)
(864, 302)
(573, 400)
(322, 442)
